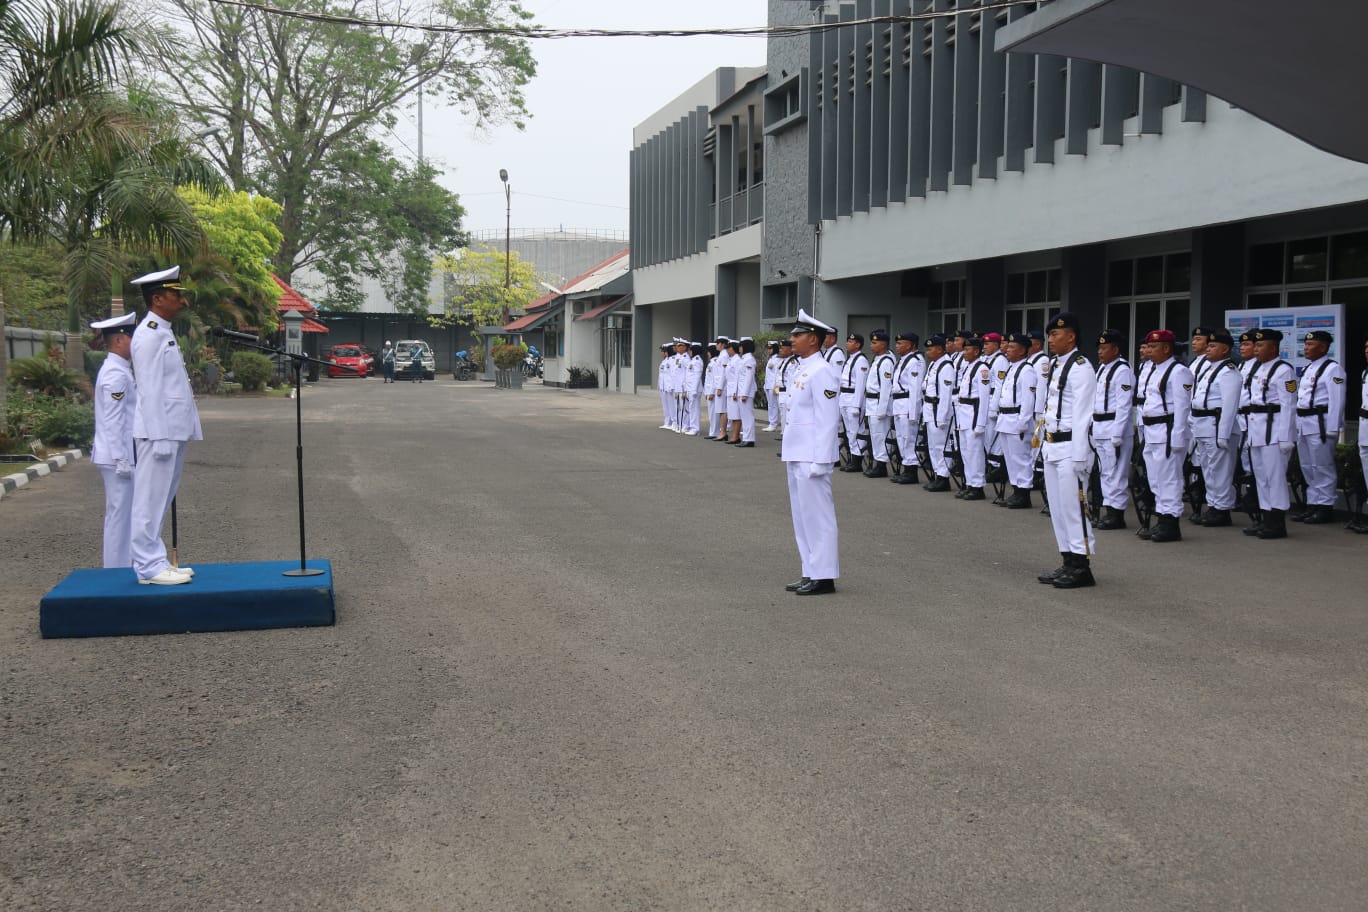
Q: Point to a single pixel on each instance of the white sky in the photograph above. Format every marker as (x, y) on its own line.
(587, 96)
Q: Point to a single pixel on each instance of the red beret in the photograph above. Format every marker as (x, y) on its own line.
(1161, 335)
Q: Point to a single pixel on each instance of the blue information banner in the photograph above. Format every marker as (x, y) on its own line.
(1294, 323)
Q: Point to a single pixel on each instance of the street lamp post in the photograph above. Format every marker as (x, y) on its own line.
(508, 238)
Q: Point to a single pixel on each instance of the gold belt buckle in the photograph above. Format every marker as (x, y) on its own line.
(1049, 436)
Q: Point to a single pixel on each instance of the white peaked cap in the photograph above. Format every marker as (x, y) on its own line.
(158, 278)
(128, 319)
(811, 322)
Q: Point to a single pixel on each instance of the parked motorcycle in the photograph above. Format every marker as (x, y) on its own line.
(532, 362)
(462, 368)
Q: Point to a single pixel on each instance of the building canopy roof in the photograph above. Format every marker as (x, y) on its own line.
(548, 306)
(1295, 65)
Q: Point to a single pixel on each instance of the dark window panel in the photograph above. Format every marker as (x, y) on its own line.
(1312, 297)
(1053, 285)
(1307, 260)
(1118, 318)
(1149, 276)
(1178, 273)
(1121, 279)
(1266, 264)
(1349, 256)
(1016, 288)
(1177, 313)
(1264, 301)
(1036, 288)
(1147, 317)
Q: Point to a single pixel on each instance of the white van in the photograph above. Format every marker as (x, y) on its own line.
(411, 355)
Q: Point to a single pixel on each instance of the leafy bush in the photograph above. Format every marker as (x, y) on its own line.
(45, 376)
(252, 370)
(52, 419)
(508, 356)
(92, 361)
(582, 378)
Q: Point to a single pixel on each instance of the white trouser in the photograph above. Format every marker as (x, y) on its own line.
(1067, 512)
(1165, 477)
(850, 417)
(814, 519)
(878, 436)
(691, 412)
(776, 412)
(1114, 470)
(936, 438)
(1318, 468)
(667, 407)
(118, 518)
(906, 428)
(1270, 476)
(715, 414)
(155, 482)
(1218, 471)
(975, 458)
(1020, 458)
(745, 413)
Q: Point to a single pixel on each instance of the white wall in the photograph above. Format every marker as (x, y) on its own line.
(1232, 167)
(695, 276)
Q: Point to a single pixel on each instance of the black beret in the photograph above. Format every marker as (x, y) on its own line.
(855, 337)
(879, 335)
(1112, 337)
(908, 337)
(1063, 320)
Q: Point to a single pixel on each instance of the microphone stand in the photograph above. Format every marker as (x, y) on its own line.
(298, 361)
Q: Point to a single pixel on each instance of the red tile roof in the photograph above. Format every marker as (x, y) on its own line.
(293, 300)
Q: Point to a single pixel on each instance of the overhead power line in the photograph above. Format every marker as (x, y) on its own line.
(536, 31)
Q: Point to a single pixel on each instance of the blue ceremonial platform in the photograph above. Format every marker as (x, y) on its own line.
(220, 597)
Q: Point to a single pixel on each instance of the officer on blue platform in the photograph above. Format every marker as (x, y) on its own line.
(1269, 401)
(1069, 387)
(164, 420)
(116, 397)
(1164, 394)
(809, 451)
(878, 401)
(1320, 415)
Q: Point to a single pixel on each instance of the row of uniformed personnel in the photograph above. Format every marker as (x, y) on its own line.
(723, 375)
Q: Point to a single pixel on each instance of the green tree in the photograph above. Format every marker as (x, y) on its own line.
(232, 280)
(473, 291)
(293, 110)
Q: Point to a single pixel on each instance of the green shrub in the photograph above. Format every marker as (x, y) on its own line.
(252, 370)
(68, 423)
(93, 361)
(508, 356)
(46, 376)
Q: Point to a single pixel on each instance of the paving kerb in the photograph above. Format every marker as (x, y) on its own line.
(55, 463)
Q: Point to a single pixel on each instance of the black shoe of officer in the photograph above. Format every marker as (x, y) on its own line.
(797, 584)
(1319, 516)
(878, 470)
(911, 473)
(1077, 573)
(1144, 532)
(1111, 518)
(816, 587)
(1256, 526)
(1020, 500)
(1168, 529)
(1275, 524)
(853, 466)
(1299, 514)
(973, 494)
(1048, 578)
(937, 485)
(1196, 515)
(1216, 518)
(908, 476)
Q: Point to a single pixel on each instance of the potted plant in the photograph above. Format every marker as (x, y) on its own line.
(507, 358)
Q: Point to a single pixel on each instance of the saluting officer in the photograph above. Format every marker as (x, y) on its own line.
(853, 374)
(972, 395)
(164, 419)
(1269, 399)
(1015, 421)
(116, 397)
(938, 411)
(809, 450)
(1113, 428)
(1070, 385)
(1215, 408)
(906, 408)
(1165, 400)
(878, 401)
(1320, 415)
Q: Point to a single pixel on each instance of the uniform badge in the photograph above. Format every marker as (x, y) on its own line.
(830, 394)
(1126, 388)
(887, 375)
(171, 342)
(985, 375)
(1291, 386)
(1188, 387)
(1002, 375)
(1339, 379)
(1080, 360)
(117, 396)
(151, 324)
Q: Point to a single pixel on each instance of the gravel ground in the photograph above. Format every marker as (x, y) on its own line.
(565, 676)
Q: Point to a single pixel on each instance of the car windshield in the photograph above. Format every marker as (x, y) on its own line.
(346, 352)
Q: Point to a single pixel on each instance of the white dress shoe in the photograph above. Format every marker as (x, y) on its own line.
(167, 577)
(184, 571)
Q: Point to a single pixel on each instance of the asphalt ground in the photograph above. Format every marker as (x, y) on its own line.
(565, 675)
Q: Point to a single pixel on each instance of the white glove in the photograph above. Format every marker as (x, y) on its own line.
(1116, 442)
(818, 469)
(122, 468)
(163, 449)
(1286, 447)
(1082, 469)
(978, 432)
(1221, 444)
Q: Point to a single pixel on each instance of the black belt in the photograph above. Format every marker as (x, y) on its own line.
(781, 389)
(1058, 436)
(901, 395)
(1151, 420)
(847, 389)
(1206, 413)
(1271, 408)
(869, 395)
(1313, 410)
(1139, 400)
(1101, 416)
(1363, 413)
(928, 399)
(969, 400)
(1009, 410)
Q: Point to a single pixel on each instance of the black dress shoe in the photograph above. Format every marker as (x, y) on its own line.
(939, 484)
(750, 443)
(903, 479)
(1216, 518)
(1048, 578)
(853, 467)
(1319, 516)
(973, 494)
(879, 470)
(1020, 500)
(797, 584)
(816, 587)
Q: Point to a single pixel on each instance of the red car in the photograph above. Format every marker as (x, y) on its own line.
(342, 357)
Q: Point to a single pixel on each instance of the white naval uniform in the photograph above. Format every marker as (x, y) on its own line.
(809, 450)
(1015, 422)
(836, 357)
(906, 408)
(852, 399)
(1070, 389)
(1216, 429)
(693, 388)
(786, 366)
(743, 396)
(1320, 415)
(721, 393)
(1269, 399)
(972, 396)
(1113, 431)
(997, 365)
(938, 411)
(666, 395)
(1165, 399)
(1363, 417)
(1242, 421)
(878, 399)
(165, 418)
(116, 398)
(772, 384)
(710, 383)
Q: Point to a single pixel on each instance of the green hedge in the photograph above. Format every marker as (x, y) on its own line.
(252, 370)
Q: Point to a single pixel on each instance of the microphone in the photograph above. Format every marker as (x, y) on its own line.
(234, 334)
